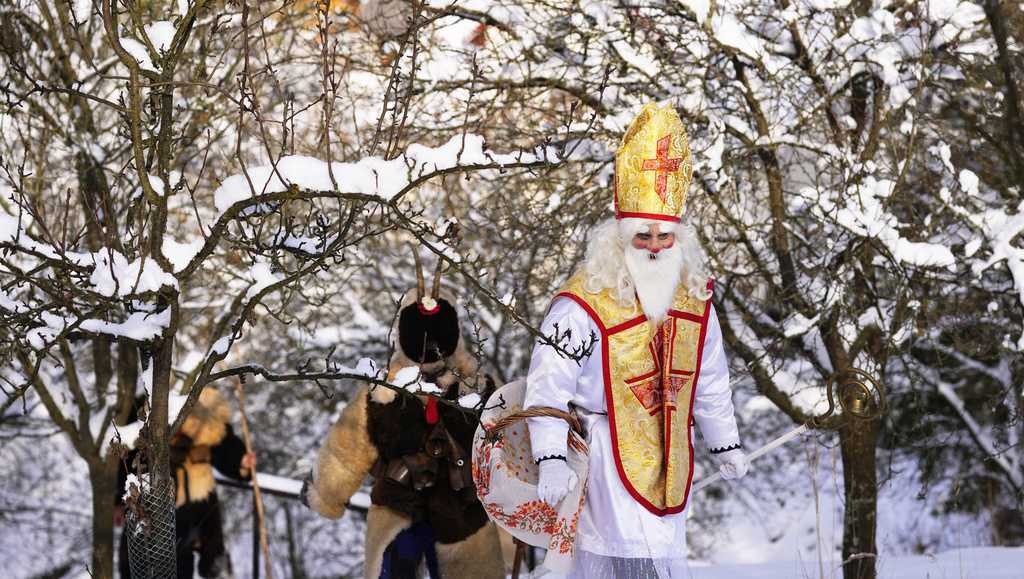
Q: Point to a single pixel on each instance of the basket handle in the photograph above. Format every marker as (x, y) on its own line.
(540, 411)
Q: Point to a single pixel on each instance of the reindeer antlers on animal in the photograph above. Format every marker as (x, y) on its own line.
(435, 292)
(421, 284)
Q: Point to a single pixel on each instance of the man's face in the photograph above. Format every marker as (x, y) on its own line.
(655, 262)
(654, 239)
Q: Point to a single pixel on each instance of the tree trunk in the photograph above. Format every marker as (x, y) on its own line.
(159, 453)
(857, 441)
(159, 550)
(103, 478)
(1012, 119)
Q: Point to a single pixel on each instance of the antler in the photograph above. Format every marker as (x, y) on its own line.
(436, 291)
(421, 284)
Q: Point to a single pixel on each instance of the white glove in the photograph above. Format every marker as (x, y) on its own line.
(556, 480)
(734, 464)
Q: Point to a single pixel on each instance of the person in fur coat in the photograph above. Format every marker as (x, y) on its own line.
(206, 441)
(424, 511)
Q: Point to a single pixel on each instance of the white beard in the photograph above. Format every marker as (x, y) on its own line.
(655, 279)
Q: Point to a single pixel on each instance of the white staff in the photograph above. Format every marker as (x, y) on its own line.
(710, 480)
(855, 398)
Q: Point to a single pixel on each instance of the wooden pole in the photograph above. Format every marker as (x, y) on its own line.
(255, 539)
(518, 561)
(240, 391)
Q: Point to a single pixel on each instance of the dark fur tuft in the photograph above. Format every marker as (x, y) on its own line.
(426, 338)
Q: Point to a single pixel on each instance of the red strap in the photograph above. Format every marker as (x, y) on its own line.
(431, 413)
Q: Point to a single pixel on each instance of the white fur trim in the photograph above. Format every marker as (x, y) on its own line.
(344, 460)
(206, 424)
(200, 482)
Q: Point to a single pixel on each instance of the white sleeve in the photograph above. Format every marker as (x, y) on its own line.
(553, 376)
(712, 408)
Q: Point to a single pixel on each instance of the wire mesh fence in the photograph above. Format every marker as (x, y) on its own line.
(149, 523)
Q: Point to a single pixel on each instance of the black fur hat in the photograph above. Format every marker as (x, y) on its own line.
(426, 336)
(428, 328)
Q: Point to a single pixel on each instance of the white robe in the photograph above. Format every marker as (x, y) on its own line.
(613, 524)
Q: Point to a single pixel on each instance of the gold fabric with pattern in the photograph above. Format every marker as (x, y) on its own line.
(649, 376)
(653, 166)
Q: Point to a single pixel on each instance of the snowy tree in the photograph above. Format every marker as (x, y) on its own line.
(196, 190)
(150, 165)
(826, 193)
(967, 422)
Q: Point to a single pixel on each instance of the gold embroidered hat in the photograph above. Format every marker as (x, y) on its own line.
(653, 166)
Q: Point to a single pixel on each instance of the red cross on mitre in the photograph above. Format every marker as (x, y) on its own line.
(663, 165)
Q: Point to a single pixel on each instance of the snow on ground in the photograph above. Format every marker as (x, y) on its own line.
(768, 526)
(971, 563)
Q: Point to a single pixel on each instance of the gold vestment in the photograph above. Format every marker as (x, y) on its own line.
(649, 379)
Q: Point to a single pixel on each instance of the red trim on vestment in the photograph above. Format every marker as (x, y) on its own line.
(685, 316)
(671, 351)
(423, 309)
(636, 379)
(609, 400)
(613, 432)
(628, 324)
(655, 216)
(693, 397)
(669, 410)
(586, 306)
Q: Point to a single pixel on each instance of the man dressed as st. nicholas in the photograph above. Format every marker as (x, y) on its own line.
(657, 366)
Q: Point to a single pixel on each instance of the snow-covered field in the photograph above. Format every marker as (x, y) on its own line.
(971, 563)
(778, 522)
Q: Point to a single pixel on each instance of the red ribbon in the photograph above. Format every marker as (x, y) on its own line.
(431, 412)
